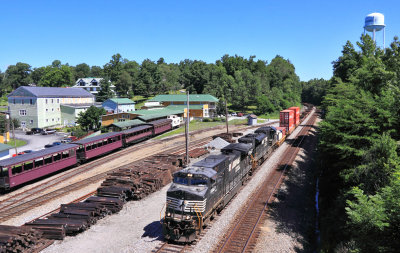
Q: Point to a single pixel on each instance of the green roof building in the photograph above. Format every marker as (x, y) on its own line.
(205, 101)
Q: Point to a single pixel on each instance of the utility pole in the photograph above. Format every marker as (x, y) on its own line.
(13, 135)
(7, 128)
(187, 130)
(226, 116)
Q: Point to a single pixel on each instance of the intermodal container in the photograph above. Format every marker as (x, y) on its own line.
(282, 129)
(286, 119)
(296, 114)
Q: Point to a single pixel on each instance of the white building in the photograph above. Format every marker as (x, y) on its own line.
(91, 84)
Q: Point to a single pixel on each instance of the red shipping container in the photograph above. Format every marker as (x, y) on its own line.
(283, 129)
(296, 114)
(286, 118)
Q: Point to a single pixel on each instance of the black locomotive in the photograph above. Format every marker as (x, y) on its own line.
(204, 188)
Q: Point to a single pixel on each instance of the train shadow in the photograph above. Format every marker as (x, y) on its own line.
(293, 211)
(154, 231)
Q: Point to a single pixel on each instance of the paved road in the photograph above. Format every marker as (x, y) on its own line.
(35, 142)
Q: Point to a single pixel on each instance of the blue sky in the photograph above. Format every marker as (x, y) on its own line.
(310, 34)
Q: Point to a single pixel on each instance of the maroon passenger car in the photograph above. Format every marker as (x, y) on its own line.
(98, 145)
(137, 134)
(161, 125)
(27, 167)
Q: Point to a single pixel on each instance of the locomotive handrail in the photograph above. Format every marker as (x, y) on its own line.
(200, 217)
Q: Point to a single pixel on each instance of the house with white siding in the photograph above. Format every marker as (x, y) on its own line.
(117, 105)
(91, 84)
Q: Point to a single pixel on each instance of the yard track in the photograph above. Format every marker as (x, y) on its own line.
(19, 203)
(242, 236)
(28, 200)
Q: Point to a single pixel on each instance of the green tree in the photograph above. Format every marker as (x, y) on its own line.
(91, 118)
(149, 78)
(114, 68)
(37, 74)
(105, 91)
(17, 75)
(96, 71)
(81, 71)
(123, 83)
(57, 75)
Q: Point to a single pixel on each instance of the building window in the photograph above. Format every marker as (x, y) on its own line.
(31, 121)
(52, 109)
(47, 120)
(58, 119)
(52, 119)
(31, 101)
(58, 100)
(22, 101)
(52, 101)
(22, 112)
(47, 110)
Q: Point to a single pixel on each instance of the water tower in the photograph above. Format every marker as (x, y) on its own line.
(375, 22)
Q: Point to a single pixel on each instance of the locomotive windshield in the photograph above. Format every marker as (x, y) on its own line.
(192, 180)
(181, 180)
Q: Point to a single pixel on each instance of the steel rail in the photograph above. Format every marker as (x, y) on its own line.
(258, 194)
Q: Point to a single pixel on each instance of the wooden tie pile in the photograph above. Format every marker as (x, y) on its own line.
(138, 180)
(18, 239)
(75, 218)
(228, 136)
(197, 152)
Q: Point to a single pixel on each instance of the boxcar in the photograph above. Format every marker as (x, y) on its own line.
(21, 169)
(161, 125)
(137, 134)
(98, 145)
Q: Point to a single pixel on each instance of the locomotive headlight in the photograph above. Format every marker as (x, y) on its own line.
(168, 214)
(188, 217)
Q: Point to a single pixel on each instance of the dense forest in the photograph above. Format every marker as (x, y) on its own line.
(359, 145)
(244, 83)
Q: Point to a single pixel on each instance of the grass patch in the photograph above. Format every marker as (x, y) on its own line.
(274, 115)
(140, 100)
(18, 142)
(198, 125)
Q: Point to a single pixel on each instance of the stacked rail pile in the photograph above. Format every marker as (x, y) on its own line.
(75, 218)
(138, 180)
(18, 239)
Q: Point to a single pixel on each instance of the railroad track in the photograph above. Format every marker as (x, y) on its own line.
(29, 201)
(171, 248)
(242, 236)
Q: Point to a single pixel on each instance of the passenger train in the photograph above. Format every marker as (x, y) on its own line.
(22, 169)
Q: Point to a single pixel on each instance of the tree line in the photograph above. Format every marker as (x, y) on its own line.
(242, 82)
(359, 150)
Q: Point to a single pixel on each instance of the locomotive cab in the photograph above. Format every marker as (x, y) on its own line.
(187, 203)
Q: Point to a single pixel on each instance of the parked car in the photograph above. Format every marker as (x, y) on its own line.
(48, 131)
(73, 138)
(233, 114)
(56, 143)
(66, 140)
(48, 145)
(240, 114)
(34, 130)
(27, 151)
